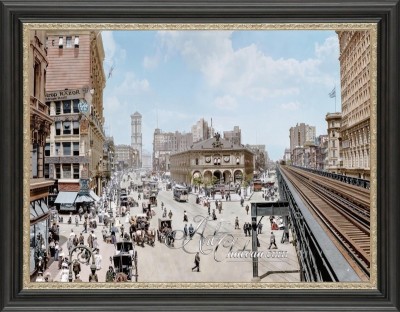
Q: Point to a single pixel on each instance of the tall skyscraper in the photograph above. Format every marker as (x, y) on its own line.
(136, 135)
(300, 134)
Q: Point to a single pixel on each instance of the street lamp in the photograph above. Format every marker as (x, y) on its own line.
(81, 248)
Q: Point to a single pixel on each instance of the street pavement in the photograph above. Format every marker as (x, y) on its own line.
(162, 263)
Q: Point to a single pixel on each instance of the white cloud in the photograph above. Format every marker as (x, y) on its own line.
(115, 54)
(226, 102)
(111, 104)
(291, 106)
(150, 62)
(133, 85)
(330, 48)
(245, 72)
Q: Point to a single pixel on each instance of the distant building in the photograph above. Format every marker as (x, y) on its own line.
(165, 143)
(299, 135)
(234, 136)
(322, 152)
(200, 131)
(260, 156)
(333, 153)
(126, 156)
(286, 156)
(136, 135)
(146, 160)
(213, 159)
(355, 80)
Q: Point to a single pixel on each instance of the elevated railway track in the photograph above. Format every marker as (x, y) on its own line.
(342, 209)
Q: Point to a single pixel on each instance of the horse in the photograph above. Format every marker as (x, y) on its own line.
(121, 277)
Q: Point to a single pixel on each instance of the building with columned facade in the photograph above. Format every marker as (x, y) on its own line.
(333, 149)
(355, 80)
(215, 157)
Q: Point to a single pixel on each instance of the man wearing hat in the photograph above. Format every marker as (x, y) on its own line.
(76, 267)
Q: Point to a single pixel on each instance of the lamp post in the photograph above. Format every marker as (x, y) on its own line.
(81, 248)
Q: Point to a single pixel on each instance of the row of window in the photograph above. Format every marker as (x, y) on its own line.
(63, 149)
(67, 106)
(67, 127)
(63, 171)
(68, 42)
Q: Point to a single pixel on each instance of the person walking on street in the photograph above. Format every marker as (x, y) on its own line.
(110, 275)
(81, 239)
(191, 230)
(237, 223)
(247, 209)
(245, 228)
(185, 230)
(241, 201)
(272, 241)
(76, 267)
(259, 228)
(93, 277)
(76, 221)
(90, 240)
(170, 214)
(185, 217)
(197, 262)
(85, 226)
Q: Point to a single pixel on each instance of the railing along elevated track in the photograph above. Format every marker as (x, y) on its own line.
(341, 208)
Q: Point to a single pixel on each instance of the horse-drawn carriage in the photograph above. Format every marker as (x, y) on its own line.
(132, 202)
(146, 208)
(153, 199)
(140, 230)
(125, 262)
(164, 231)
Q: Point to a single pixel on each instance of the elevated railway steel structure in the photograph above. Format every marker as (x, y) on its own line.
(320, 258)
(340, 177)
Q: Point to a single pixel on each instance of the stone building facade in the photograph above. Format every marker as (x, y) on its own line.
(74, 92)
(126, 156)
(333, 152)
(136, 136)
(166, 143)
(299, 135)
(234, 136)
(40, 122)
(214, 157)
(355, 77)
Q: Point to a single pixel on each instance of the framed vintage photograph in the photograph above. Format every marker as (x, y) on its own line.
(223, 156)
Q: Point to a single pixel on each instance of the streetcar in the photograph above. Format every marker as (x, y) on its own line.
(180, 193)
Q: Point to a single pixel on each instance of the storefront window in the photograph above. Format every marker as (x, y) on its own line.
(38, 238)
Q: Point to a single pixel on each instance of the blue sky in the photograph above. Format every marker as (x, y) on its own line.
(262, 81)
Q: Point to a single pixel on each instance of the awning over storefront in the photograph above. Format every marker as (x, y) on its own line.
(38, 209)
(66, 198)
(84, 199)
(94, 196)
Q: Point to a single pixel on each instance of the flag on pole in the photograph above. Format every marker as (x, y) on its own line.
(110, 72)
(332, 94)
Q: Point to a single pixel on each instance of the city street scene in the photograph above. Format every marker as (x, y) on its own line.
(200, 156)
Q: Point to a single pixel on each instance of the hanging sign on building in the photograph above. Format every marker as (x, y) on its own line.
(84, 186)
(64, 95)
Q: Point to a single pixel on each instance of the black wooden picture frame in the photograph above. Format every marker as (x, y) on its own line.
(385, 13)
